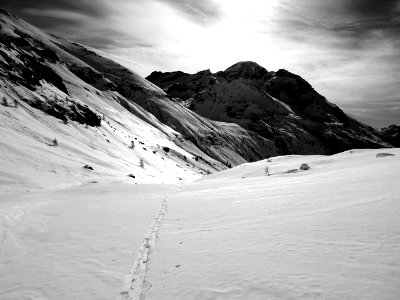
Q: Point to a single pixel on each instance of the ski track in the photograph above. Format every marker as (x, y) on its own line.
(134, 281)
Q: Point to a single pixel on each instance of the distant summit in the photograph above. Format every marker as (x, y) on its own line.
(246, 70)
(279, 106)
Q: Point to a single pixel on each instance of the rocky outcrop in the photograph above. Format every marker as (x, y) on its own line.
(392, 134)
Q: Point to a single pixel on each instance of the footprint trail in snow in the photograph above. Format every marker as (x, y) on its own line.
(133, 285)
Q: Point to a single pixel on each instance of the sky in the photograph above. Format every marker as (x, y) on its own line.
(347, 49)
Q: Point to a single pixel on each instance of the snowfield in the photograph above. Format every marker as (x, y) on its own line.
(328, 233)
(331, 232)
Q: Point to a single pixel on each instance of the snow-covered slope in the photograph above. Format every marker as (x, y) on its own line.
(75, 85)
(331, 232)
(48, 94)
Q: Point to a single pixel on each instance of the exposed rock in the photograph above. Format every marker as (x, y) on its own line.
(392, 134)
(304, 167)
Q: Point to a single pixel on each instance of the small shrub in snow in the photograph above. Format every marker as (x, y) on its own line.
(141, 163)
(132, 145)
(55, 142)
(304, 167)
(88, 167)
(131, 175)
(267, 170)
(4, 101)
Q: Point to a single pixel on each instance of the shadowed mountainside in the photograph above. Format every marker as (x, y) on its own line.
(279, 106)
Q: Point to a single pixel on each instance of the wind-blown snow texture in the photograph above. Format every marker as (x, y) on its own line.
(331, 232)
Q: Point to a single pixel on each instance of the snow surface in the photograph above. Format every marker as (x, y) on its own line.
(331, 232)
(328, 233)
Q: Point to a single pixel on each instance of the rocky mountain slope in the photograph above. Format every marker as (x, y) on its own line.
(62, 87)
(279, 106)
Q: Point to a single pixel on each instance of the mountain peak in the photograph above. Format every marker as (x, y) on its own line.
(244, 64)
(245, 69)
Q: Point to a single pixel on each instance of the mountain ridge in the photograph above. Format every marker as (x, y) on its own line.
(186, 113)
(278, 105)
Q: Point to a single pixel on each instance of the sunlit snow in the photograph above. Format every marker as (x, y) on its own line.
(331, 232)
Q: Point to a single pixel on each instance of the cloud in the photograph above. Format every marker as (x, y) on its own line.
(368, 8)
(24, 9)
(347, 49)
(202, 12)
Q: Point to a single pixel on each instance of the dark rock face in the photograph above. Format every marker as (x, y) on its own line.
(299, 94)
(182, 85)
(392, 134)
(32, 69)
(304, 167)
(246, 70)
(29, 70)
(279, 106)
(66, 110)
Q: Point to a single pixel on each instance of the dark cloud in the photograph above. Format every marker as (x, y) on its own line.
(83, 21)
(202, 12)
(83, 6)
(372, 8)
(346, 24)
(24, 9)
